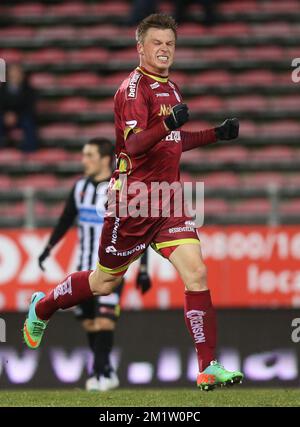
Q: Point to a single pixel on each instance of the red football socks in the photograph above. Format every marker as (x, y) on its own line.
(72, 291)
(200, 319)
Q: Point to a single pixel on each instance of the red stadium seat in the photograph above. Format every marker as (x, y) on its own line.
(252, 207)
(11, 55)
(10, 155)
(114, 79)
(205, 103)
(246, 103)
(119, 8)
(43, 80)
(48, 155)
(5, 182)
(280, 128)
(231, 29)
(12, 32)
(228, 154)
(68, 183)
(280, 7)
(273, 154)
(62, 32)
(291, 103)
(68, 9)
(224, 53)
(29, 9)
(74, 105)
(105, 130)
(66, 131)
(255, 77)
(100, 31)
(215, 206)
(90, 55)
(292, 181)
(191, 30)
(13, 210)
(260, 180)
(39, 181)
(179, 77)
(263, 52)
(237, 6)
(214, 77)
(46, 56)
(221, 180)
(291, 207)
(80, 80)
(103, 106)
(194, 156)
(183, 54)
(272, 29)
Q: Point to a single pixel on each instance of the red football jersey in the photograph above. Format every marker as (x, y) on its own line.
(142, 101)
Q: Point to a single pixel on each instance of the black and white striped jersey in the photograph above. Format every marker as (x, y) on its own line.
(86, 202)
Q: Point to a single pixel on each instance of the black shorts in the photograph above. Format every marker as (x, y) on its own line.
(101, 306)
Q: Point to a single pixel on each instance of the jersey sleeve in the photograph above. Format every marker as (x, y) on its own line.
(135, 107)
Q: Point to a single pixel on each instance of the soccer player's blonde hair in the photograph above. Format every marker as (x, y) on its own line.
(156, 20)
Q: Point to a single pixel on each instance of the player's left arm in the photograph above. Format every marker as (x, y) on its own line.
(143, 281)
(229, 129)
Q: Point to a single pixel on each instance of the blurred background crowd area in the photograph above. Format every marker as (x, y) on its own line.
(65, 61)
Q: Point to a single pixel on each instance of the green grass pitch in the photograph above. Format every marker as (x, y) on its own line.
(152, 397)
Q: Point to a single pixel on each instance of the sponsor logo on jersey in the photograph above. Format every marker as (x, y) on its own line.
(165, 110)
(154, 85)
(181, 229)
(131, 123)
(162, 94)
(114, 234)
(174, 136)
(63, 289)
(132, 86)
(112, 250)
(196, 320)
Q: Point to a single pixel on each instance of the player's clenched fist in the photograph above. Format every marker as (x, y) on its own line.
(229, 129)
(178, 117)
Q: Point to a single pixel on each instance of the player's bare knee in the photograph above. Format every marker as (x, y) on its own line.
(102, 283)
(197, 278)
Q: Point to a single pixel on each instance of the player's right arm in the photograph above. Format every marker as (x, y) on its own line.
(64, 223)
(132, 106)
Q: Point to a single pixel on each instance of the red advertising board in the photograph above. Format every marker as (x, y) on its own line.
(248, 266)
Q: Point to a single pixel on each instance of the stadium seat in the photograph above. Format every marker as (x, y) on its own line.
(216, 207)
(80, 80)
(46, 56)
(291, 207)
(221, 180)
(43, 80)
(261, 180)
(59, 131)
(214, 77)
(90, 55)
(6, 182)
(61, 32)
(48, 155)
(10, 156)
(73, 105)
(252, 207)
(29, 9)
(39, 181)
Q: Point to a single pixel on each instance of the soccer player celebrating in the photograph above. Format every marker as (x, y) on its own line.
(149, 113)
(99, 314)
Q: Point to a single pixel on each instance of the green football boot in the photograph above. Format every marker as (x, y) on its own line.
(215, 375)
(34, 327)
